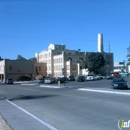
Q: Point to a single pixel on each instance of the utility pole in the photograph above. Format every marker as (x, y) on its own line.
(109, 56)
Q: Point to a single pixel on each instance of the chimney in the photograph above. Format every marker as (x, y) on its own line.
(100, 42)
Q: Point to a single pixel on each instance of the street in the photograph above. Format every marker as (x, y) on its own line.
(64, 107)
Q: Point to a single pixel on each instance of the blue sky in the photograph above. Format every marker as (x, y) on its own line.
(29, 26)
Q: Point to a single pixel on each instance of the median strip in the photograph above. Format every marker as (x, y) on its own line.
(103, 91)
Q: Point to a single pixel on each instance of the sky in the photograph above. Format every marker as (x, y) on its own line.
(29, 26)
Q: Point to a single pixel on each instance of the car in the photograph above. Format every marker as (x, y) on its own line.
(80, 79)
(109, 76)
(9, 81)
(41, 80)
(119, 83)
(99, 76)
(61, 79)
(115, 74)
(49, 80)
(71, 78)
(124, 74)
(90, 78)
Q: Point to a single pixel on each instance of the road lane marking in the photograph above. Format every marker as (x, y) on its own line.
(103, 91)
(48, 86)
(33, 116)
(29, 84)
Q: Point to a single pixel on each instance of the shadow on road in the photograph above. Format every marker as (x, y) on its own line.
(22, 97)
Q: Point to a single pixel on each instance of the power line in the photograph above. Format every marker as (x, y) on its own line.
(67, 18)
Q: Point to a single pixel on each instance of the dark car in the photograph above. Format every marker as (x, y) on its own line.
(41, 80)
(9, 81)
(119, 83)
(61, 79)
(80, 79)
(109, 76)
(71, 78)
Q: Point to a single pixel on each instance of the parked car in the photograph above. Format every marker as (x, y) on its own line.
(119, 83)
(109, 76)
(90, 78)
(71, 78)
(80, 79)
(9, 81)
(115, 74)
(41, 80)
(49, 80)
(99, 76)
(61, 79)
(124, 74)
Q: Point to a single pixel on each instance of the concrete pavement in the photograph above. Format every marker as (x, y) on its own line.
(3, 124)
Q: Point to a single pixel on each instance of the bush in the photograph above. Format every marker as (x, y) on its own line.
(23, 78)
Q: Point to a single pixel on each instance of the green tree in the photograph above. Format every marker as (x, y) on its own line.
(95, 62)
(128, 55)
(19, 57)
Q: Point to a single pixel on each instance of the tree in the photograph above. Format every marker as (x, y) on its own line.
(95, 62)
(19, 57)
(128, 55)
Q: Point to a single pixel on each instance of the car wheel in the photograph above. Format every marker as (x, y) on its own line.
(112, 87)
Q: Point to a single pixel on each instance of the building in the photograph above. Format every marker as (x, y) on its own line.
(40, 69)
(58, 57)
(15, 68)
(119, 67)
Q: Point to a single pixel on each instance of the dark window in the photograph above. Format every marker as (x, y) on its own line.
(39, 68)
(70, 59)
(10, 67)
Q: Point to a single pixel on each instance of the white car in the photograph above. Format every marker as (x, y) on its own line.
(90, 78)
(99, 76)
(49, 80)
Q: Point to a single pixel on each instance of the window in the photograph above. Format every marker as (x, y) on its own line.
(68, 67)
(10, 67)
(39, 68)
(70, 59)
(73, 67)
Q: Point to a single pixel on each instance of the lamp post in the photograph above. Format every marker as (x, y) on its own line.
(79, 54)
(79, 61)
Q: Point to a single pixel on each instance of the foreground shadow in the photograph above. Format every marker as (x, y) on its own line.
(30, 97)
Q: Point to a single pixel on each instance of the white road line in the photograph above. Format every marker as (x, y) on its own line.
(29, 84)
(33, 116)
(103, 91)
(49, 86)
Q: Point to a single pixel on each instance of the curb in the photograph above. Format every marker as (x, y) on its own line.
(3, 124)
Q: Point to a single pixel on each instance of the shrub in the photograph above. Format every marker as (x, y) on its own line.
(23, 78)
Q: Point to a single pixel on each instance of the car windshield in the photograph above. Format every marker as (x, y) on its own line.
(118, 80)
(9, 79)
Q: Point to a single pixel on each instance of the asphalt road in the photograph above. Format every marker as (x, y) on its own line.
(31, 107)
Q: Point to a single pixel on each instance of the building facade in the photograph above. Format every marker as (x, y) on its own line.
(119, 67)
(15, 68)
(40, 69)
(58, 57)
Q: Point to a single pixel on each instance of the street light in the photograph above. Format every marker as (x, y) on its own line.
(79, 60)
(79, 53)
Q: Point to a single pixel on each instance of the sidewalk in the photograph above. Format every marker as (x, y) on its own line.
(3, 124)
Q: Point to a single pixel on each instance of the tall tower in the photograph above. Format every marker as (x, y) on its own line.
(100, 42)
